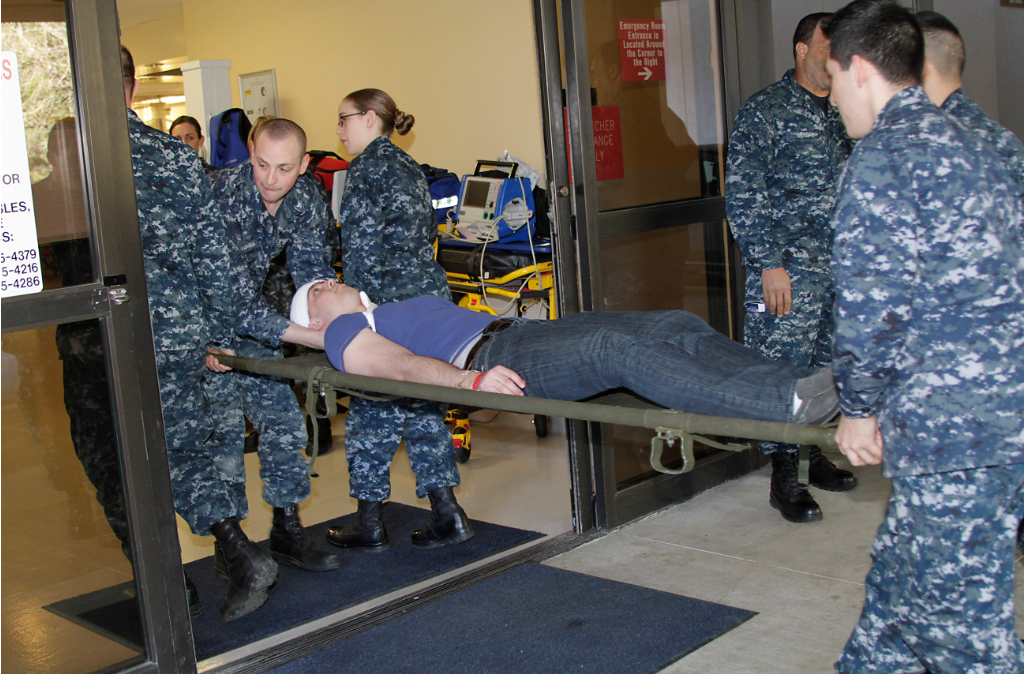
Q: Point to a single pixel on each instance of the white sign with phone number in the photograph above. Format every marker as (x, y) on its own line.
(20, 270)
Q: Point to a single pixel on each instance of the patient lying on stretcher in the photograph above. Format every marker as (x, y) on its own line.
(672, 358)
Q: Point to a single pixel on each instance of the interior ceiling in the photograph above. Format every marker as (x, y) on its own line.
(130, 12)
(156, 79)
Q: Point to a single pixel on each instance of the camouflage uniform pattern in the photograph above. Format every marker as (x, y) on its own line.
(279, 287)
(1004, 142)
(784, 157)
(389, 227)
(912, 618)
(188, 282)
(87, 401)
(388, 234)
(299, 228)
(209, 170)
(270, 404)
(928, 263)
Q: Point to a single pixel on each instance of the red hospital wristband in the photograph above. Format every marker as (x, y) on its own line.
(474, 387)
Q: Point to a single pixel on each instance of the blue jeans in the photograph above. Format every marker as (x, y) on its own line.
(673, 358)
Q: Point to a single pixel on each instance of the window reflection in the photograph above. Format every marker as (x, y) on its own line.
(69, 590)
(51, 135)
(657, 120)
(60, 207)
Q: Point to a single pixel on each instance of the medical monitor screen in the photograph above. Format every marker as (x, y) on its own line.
(476, 194)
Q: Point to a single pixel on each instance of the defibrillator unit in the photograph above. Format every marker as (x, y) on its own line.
(495, 209)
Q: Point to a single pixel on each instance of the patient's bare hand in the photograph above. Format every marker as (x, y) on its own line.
(213, 363)
(501, 379)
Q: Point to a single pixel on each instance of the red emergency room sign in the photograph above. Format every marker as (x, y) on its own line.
(641, 50)
(605, 120)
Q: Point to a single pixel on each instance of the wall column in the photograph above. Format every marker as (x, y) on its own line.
(207, 92)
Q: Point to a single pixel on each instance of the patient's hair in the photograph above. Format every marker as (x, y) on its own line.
(280, 128)
(944, 46)
(384, 107)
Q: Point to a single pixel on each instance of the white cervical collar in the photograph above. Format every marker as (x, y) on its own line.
(370, 306)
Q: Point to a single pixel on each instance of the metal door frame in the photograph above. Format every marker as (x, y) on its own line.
(570, 267)
(578, 223)
(94, 43)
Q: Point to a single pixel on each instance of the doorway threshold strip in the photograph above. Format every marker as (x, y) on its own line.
(320, 637)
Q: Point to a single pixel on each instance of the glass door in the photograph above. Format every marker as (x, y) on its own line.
(646, 133)
(90, 564)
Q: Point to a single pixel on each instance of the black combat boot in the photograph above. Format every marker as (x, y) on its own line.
(251, 443)
(195, 608)
(793, 501)
(324, 444)
(366, 533)
(449, 524)
(290, 544)
(823, 474)
(249, 570)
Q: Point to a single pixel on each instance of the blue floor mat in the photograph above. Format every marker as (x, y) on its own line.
(532, 619)
(299, 596)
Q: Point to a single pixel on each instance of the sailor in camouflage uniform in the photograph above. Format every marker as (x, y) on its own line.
(189, 283)
(928, 264)
(786, 151)
(268, 208)
(942, 80)
(388, 234)
(278, 290)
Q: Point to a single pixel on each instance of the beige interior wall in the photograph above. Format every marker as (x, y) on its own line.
(466, 69)
(155, 41)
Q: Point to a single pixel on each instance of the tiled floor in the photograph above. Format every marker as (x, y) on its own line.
(729, 546)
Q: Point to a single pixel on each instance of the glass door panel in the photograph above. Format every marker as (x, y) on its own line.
(650, 209)
(54, 152)
(88, 581)
(69, 592)
(638, 275)
(655, 80)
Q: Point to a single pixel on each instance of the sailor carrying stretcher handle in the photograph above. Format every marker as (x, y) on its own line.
(672, 358)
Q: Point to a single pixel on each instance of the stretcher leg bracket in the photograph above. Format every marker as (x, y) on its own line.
(667, 436)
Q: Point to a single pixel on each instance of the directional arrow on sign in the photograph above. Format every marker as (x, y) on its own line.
(646, 73)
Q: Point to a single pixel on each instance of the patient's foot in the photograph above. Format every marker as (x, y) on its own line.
(816, 399)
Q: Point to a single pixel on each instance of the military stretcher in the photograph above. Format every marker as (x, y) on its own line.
(670, 426)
